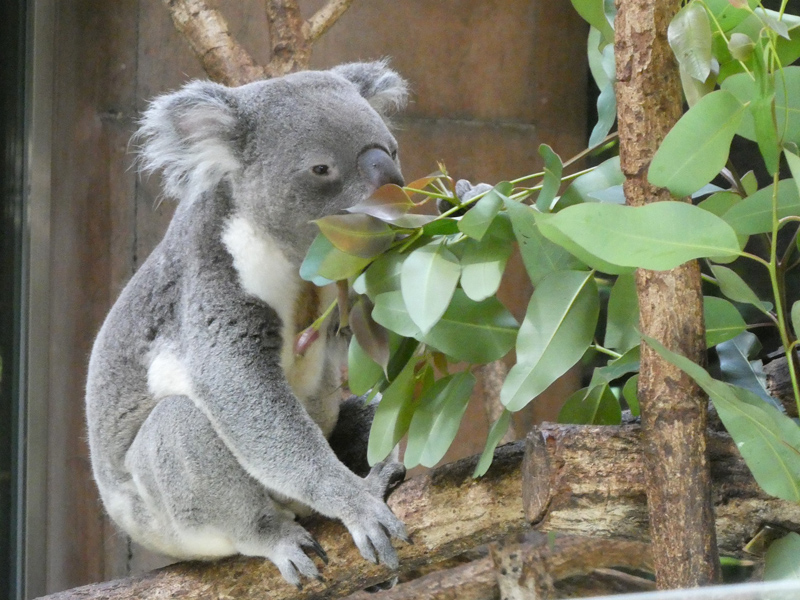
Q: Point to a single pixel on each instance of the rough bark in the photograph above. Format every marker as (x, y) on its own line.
(228, 62)
(585, 481)
(779, 384)
(674, 410)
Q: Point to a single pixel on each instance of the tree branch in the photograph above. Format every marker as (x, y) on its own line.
(586, 481)
(674, 409)
(206, 30)
(291, 51)
(324, 18)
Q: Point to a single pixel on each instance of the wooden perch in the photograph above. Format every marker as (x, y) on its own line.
(585, 481)
(228, 62)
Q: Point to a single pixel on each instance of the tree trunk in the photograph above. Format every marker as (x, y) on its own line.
(585, 481)
(674, 410)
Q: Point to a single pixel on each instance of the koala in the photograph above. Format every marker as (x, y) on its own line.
(208, 435)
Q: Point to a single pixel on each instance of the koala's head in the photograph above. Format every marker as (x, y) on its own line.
(294, 148)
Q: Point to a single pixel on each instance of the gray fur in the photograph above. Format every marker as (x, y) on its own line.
(207, 434)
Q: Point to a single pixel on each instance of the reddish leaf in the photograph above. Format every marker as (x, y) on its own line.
(371, 336)
(359, 234)
(389, 202)
(304, 339)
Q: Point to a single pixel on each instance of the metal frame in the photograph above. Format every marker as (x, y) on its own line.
(33, 385)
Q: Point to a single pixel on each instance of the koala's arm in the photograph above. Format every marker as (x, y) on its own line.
(239, 383)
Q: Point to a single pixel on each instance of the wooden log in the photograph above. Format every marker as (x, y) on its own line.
(591, 481)
(586, 481)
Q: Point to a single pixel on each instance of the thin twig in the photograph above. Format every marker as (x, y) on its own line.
(324, 18)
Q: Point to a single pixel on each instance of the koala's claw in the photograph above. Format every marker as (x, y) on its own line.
(314, 546)
(373, 533)
(384, 478)
(291, 559)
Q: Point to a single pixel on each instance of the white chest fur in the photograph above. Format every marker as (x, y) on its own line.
(266, 273)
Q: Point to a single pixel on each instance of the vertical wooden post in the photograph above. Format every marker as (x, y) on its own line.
(674, 410)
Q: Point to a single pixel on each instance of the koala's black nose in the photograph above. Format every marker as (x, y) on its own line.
(379, 168)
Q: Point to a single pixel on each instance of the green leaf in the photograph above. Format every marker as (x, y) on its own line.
(727, 15)
(697, 147)
(754, 214)
(383, 275)
(786, 103)
(593, 13)
(782, 560)
(436, 419)
(657, 236)
(616, 368)
(356, 234)
(761, 111)
(389, 202)
(539, 255)
(393, 415)
(735, 288)
(553, 168)
(474, 332)
(591, 406)
(362, 372)
(689, 36)
(390, 311)
(768, 440)
(428, 279)
(606, 175)
(482, 266)
(603, 68)
(558, 328)
(629, 392)
(723, 321)
(478, 218)
(720, 203)
(622, 326)
(794, 167)
(325, 264)
(693, 89)
(373, 339)
(739, 365)
(496, 433)
(796, 317)
(441, 227)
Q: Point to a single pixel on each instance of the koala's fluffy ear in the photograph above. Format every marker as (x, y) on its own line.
(383, 88)
(190, 135)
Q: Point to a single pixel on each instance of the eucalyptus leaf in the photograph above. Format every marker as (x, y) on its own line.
(796, 317)
(393, 415)
(591, 406)
(389, 202)
(781, 560)
(496, 433)
(478, 218)
(557, 330)
(363, 373)
(358, 234)
(373, 339)
(754, 214)
(325, 264)
(428, 279)
(539, 255)
(551, 182)
(309, 269)
(383, 275)
(734, 287)
(786, 102)
(697, 147)
(474, 332)
(593, 12)
(723, 321)
(390, 311)
(739, 365)
(482, 266)
(622, 325)
(727, 15)
(689, 36)
(630, 393)
(606, 175)
(657, 236)
(768, 440)
(437, 418)
(616, 368)
(794, 166)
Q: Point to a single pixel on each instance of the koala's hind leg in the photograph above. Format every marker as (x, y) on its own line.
(201, 503)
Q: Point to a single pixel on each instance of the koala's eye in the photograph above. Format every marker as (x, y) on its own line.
(320, 169)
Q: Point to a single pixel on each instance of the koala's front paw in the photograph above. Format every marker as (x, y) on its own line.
(384, 477)
(372, 528)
